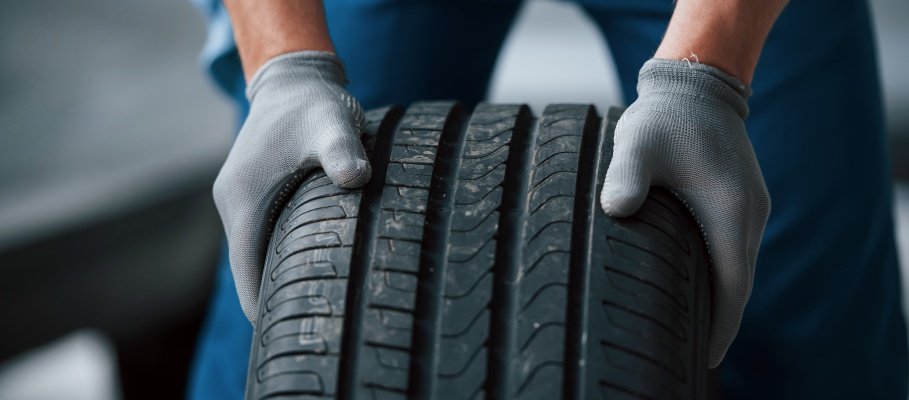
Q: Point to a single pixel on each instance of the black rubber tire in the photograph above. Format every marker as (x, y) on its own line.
(478, 264)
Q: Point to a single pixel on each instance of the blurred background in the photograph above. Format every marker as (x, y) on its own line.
(110, 137)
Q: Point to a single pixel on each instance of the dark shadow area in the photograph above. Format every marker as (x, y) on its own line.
(143, 278)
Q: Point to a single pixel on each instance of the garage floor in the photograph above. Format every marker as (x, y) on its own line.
(109, 129)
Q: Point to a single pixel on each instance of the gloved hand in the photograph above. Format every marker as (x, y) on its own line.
(686, 132)
(300, 118)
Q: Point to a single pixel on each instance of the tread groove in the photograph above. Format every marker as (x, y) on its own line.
(580, 259)
(504, 305)
(363, 252)
(424, 363)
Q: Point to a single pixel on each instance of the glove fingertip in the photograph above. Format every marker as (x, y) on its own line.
(716, 353)
(714, 362)
(622, 200)
(246, 292)
(616, 207)
(246, 268)
(350, 174)
(250, 309)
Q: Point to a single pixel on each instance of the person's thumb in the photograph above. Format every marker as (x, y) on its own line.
(727, 230)
(247, 242)
(344, 160)
(626, 185)
(732, 216)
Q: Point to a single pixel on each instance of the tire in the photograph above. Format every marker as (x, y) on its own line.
(478, 264)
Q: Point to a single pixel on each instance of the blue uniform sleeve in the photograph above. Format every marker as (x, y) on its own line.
(219, 57)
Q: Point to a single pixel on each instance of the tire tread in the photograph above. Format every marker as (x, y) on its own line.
(476, 264)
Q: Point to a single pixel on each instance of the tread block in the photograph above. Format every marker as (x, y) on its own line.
(312, 264)
(385, 328)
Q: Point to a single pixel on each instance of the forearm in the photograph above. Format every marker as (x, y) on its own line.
(267, 28)
(727, 34)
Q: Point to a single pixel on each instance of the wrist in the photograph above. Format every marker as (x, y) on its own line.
(255, 59)
(726, 34)
(265, 29)
(697, 82)
(730, 61)
(287, 71)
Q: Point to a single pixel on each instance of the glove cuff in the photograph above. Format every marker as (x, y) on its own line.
(693, 79)
(286, 69)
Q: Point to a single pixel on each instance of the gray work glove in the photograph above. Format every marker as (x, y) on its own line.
(300, 118)
(686, 132)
